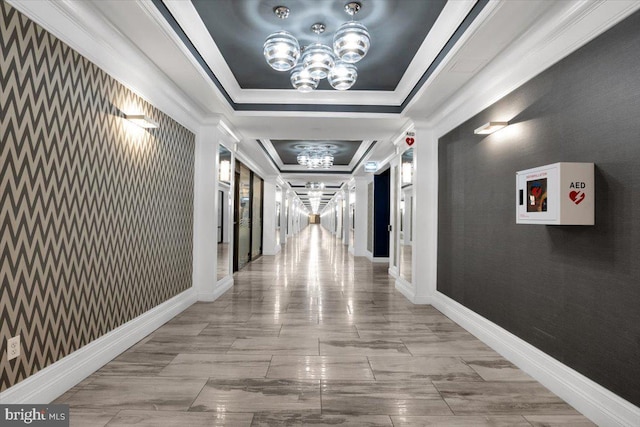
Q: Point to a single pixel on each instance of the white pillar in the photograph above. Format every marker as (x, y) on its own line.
(394, 201)
(361, 215)
(339, 211)
(346, 226)
(289, 208)
(227, 229)
(407, 216)
(282, 195)
(269, 245)
(205, 212)
(334, 220)
(425, 214)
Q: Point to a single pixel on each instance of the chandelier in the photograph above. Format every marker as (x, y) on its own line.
(316, 156)
(317, 61)
(314, 185)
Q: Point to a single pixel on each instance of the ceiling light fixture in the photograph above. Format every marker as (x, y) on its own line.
(343, 75)
(281, 49)
(317, 61)
(314, 185)
(316, 156)
(490, 127)
(301, 79)
(352, 40)
(318, 58)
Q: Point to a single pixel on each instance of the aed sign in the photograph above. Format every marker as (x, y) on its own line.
(556, 194)
(410, 138)
(577, 196)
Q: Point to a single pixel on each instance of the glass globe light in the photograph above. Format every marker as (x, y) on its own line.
(281, 50)
(318, 59)
(301, 79)
(327, 160)
(351, 42)
(343, 75)
(303, 158)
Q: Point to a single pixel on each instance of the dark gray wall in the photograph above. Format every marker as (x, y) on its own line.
(571, 291)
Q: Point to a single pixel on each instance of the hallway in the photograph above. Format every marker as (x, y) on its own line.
(313, 336)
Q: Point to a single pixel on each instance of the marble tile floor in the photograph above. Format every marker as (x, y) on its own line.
(313, 336)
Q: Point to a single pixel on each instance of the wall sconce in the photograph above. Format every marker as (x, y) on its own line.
(225, 171)
(489, 128)
(141, 120)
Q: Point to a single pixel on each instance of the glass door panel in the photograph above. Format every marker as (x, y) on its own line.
(256, 217)
(244, 215)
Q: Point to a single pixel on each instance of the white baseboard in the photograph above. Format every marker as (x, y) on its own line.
(54, 380)
(596, 402)
(420, 299)
(379, 259)
(222, 286)
(405, 288)
(393, 272)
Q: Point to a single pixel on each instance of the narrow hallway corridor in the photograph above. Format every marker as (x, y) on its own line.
(313, 336)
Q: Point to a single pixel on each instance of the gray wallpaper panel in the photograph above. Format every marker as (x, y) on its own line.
(572, 291)
(96, 214)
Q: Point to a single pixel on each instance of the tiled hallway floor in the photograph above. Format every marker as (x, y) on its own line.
(313, 336)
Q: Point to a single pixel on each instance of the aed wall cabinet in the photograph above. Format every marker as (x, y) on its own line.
(557, 194)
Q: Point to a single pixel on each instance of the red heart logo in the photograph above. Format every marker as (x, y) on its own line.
(577, 197)
(536, 191)
(410, 141)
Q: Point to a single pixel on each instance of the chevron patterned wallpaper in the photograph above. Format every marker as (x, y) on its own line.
(96, 214)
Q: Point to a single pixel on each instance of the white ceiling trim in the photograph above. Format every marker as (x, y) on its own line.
(450, 18)
(324, 114)
(299, 168)
(189, 20)
(250, 157)
(266, 143)
(561, 31)
(359, 154)
(484, 15)
(79, 25)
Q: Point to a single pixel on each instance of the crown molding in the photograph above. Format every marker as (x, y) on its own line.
(562, 30)
(191, 23)
(85, 29)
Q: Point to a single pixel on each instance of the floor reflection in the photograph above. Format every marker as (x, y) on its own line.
(313, 336)
(223, 261)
